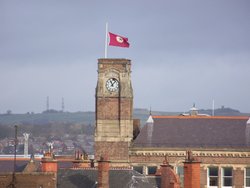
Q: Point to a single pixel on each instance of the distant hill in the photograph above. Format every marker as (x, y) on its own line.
(52, 123)
(47, 117)
(88, 118)
(224, 112)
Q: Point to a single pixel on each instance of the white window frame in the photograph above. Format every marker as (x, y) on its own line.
(208, 177)
(222, 177)
(245, 177)
(153, 166)
(136, 170)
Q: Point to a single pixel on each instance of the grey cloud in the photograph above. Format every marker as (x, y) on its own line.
(56, 44)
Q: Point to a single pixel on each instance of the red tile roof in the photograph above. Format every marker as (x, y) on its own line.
(201, 117)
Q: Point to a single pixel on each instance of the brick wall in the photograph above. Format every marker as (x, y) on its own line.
(238, 177)
(154, 159)
(114, 150)
(237, 163)
(203, 176)
(192, 174)
(114, 108)
(49, 166)
(103, 174)
(118, 64)
(225, 160)
(169, 179)
(204, 160)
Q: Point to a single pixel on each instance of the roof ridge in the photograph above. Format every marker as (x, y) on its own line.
(199, 117)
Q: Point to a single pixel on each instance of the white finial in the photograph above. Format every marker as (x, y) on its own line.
(26, 143)
(50, 144)
(150, 119)
(248, 121)
(26, 136)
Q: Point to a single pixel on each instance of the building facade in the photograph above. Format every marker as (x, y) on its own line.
(221, 144)
(114, 110)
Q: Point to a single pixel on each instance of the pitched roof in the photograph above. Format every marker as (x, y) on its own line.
(8, 165)
(194, 131)
(69, 178)
(248, 122)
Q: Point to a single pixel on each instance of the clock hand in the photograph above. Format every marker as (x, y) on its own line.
(112, 82)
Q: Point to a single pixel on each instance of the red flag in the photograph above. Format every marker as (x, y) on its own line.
(117, 40)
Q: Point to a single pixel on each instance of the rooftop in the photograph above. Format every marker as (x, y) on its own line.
(194, 132)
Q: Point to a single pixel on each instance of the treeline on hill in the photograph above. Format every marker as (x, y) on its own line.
(48, 123)
(48, 130)
(52, 122)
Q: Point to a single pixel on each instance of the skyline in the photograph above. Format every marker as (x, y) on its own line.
(181, 52)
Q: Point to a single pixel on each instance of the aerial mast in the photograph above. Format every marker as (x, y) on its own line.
(47, 103)
(63, 105)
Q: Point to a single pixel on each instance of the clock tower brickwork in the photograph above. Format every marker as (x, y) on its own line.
(114, 110)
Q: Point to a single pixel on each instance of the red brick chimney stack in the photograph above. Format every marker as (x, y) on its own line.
(81, 160)
(103, 172)
(191, 171)
(169, 179)
(49, 164)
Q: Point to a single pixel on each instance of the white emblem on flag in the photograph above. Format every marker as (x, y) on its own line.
(119, 39)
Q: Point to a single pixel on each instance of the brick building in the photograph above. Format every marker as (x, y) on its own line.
(61, 172)
(222, 144)
(114, 110)
(197, 150)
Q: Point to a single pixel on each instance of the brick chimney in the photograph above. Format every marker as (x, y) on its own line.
(81, 160)
(169, 179)
(103, 172)
(191, 171)
(49, 164)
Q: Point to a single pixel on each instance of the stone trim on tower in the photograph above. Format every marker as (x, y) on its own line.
(114, 109)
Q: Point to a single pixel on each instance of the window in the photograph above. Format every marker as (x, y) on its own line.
(213, 177)
(138, 169)
(247, 177)
(152, 170)
(227, 176)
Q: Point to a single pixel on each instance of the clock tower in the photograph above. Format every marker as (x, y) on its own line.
(114, 110)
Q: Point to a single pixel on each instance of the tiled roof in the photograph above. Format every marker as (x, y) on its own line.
(8, 165)
(194, 131)
(117, 178)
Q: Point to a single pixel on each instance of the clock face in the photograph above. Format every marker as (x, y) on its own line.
(112, 84)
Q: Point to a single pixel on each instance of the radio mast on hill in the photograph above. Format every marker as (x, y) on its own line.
(62, 104)
(47, 103)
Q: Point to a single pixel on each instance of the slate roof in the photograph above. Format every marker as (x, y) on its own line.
(194, 132)
(70, 178)
(8, 165)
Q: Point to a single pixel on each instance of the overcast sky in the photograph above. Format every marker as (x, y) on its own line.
(182, 52)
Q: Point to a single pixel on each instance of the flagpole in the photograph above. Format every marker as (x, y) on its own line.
(106, 41)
